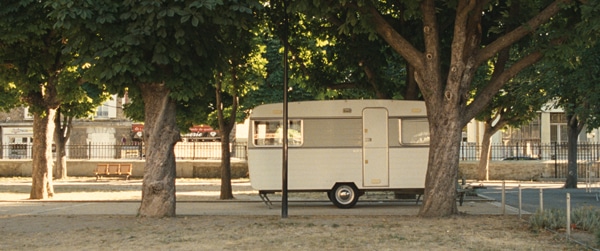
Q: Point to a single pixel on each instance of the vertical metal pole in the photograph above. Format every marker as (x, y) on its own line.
(520, 201)
(503, 197)
(541, 200)
(568, 216)
(284, 171)
(555, 160)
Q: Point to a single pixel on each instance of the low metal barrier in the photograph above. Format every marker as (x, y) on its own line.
(183, 151)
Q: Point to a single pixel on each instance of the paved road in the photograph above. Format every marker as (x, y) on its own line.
(553, 195)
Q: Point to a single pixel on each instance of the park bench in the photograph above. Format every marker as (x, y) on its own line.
(462, 189)
(113, 169)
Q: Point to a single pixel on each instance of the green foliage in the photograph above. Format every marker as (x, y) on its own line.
(586, 218)
(33, 63)
(9, 96)
(574, 85)
(334, 55)
(552, 219)
(129, 43)
(270, 90)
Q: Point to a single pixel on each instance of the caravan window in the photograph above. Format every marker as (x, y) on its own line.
(414, 131)
(269, 133)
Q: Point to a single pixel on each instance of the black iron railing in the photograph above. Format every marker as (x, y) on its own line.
(183, 151)
(530, 151)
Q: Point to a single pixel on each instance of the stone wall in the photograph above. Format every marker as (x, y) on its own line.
(531, 170)
(185, 169)
(499, 170)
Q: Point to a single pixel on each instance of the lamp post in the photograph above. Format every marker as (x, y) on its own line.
(284, 171)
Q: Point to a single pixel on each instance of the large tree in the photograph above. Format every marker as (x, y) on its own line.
(575, 89)
(515, 105)
(33, 63)
(239, 69)
(160, 51)
(458, 37)
(79, 100)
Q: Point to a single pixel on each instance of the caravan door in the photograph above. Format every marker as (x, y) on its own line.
(375, 147)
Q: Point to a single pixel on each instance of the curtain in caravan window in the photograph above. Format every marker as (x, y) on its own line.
(414, 131)
(269, 133)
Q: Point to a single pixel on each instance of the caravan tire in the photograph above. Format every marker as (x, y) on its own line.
(344, 195)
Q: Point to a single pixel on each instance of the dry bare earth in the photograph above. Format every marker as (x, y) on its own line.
(273, 233)
(105, 232)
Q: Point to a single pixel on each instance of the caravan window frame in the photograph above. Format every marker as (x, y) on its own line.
(265, 133)
(414, 134)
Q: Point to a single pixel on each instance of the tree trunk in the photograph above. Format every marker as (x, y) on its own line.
(573, 133)
(483, 172)
(61, 135)
(412, 89)
(226, 126)
(226, 190)
(43, 131)
(439, 199)
(160, 134)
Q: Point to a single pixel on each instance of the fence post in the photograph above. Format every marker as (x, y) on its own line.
(541, 200)
(568, 216)
(520, 200)
(503, 197)
(555, 144)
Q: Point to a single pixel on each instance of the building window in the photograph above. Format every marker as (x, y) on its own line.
(558, 127)
(108, 109)
(102, 111)
(26, 114)
(527, 133)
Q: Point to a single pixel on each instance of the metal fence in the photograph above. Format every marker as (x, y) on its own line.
(528, 151)
(183, 151)
(588, 156)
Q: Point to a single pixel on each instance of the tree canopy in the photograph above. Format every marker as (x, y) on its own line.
(455, 40)
(163, 53)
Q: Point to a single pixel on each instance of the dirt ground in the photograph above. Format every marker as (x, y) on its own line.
(210, 232)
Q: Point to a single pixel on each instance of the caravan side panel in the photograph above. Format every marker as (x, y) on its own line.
(308, 169)
(330, 149)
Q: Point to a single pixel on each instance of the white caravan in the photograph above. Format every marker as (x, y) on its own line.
(342, 147)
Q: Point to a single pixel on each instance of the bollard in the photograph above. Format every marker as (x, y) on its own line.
(520, 201)
(541, 200)
(568, 216)
(503, 197)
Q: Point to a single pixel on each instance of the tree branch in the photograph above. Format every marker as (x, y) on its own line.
(395, 40)
(485, 96)
(515, 35)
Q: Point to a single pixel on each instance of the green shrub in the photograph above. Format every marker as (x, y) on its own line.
(551, 219)
(585, 218)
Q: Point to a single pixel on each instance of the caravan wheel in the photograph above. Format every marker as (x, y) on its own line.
(344, 195)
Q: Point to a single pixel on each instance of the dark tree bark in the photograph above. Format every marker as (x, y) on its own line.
(61, 135)
(226, 189)
(446, 94)
(574, 127)
(160, 134)
(412, 89)
(225, 127)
